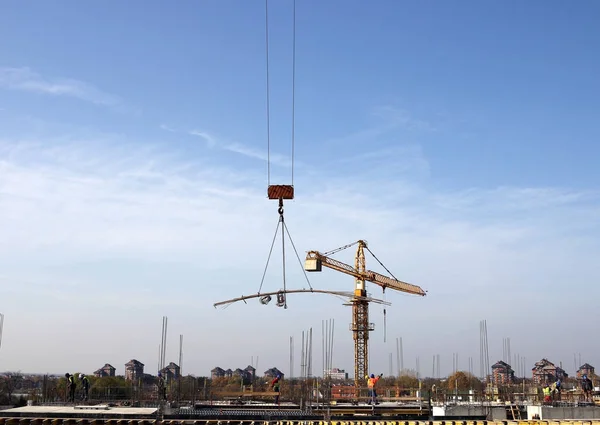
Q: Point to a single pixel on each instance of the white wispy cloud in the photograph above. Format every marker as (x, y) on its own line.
(167, 128)
(503, 200)
(390, 120)
(188, 232)
(249, 152)
(213, 141)
(26, 79)
(210, 140)
(394, 117)
(399, 158)
(389, 147)
(241, 149)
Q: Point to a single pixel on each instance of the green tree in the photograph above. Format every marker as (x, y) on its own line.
(463, 381)
(428, 383)
(387, 381)
(11, 381)
(110, 382)
(110, 388)
(407, 382)
(219, 383)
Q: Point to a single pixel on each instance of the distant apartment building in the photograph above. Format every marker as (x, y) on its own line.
(336, 374)
(217, 372)
(171, 371)
(250, 372)
(106, 370)
(247, 374)
(586, 369)
(134, 370)
(502, 373)
(273, 372)
(545, 372)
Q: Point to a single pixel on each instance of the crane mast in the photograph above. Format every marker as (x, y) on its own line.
(360, 320)
(360, 325)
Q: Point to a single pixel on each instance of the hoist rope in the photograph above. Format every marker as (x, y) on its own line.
(384, 310)
(281, 221)
(384, 326)
(284, 230)
(298, 257)
(384, 320)
(283, 255)
(269, 94)
(341, 248)
(269, 257)
(380, 263)
(293, 86)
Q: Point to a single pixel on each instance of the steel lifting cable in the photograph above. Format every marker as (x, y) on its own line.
(297, 256)
(269, 95)
(269, 257)
(384, 319)
(281, 219)
(281, 191)
(384, 309)
(380, 263)
(284, 231)
(293, 85)
(341, 248)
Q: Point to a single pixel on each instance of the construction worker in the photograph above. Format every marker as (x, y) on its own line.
(556, 389)
(275, 385)
(85, 386)
(547, 393)
(371, 381)
(586, 387)
(162, 388)
(71, 385)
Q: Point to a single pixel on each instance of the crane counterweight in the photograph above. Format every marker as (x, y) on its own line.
(313, 265)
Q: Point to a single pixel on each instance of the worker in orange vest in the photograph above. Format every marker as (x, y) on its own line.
(371, 381)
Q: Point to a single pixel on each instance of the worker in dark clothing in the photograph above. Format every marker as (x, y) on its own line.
(557, 389)
(85, 386)
(162, 388)
(71, 385)
(587, 387)
(275, 384)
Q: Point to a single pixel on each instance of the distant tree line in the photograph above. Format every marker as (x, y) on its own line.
(16, 389)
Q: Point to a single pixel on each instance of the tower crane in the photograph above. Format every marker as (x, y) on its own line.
(360, 325)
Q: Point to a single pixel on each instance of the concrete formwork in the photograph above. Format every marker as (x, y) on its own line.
(550, 413)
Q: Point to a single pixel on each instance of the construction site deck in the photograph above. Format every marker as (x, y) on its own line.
(222, 412)
(284, 414)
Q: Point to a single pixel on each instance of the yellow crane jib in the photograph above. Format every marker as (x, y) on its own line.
(315, 262)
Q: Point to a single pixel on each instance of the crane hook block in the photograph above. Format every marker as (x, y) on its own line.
(265, 299)
(280, 299)
(280, 191)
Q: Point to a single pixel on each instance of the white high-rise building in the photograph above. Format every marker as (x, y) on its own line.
(336, 373)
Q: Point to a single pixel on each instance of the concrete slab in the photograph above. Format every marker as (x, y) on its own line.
(97, 407)
(494, 413)
(79, 411)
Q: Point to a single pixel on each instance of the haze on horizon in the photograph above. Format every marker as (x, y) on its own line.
(459, 140)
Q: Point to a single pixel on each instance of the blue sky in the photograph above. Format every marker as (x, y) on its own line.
(458, 138)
